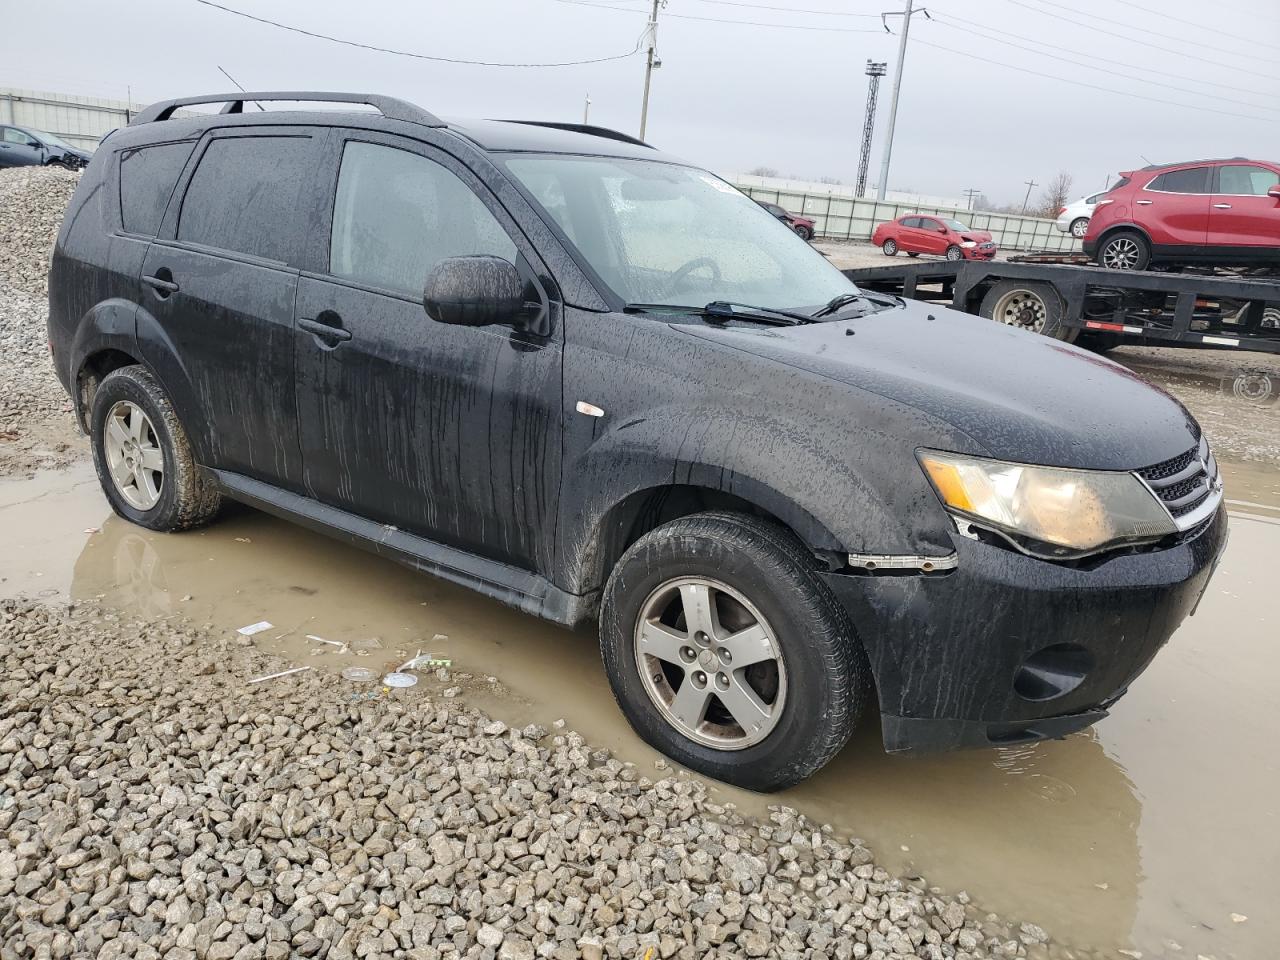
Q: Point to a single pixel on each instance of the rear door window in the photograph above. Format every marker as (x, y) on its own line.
(1191, 180)
(1243, 180)
(397, 214)
(147, 178)
(248, 196)
(910, 221)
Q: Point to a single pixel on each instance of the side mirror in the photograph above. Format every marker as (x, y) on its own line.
(942, 229)
(1274, 192)
(473, 291)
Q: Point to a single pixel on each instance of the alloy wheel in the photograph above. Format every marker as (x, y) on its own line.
(134, 458)
(1079, 228)
(954, 254)
(1021, 308)
(1121, 254)
(890, 247)
(710, 663)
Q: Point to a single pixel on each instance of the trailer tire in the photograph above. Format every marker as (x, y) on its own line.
(1099, 342)
(1032, 305)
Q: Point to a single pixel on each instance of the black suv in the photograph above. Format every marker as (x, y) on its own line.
(592, 381)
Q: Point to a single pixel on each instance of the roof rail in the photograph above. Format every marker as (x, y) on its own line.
(389, 107)
(589, 129)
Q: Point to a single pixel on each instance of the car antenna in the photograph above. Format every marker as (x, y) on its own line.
(1149, 163)
(240, 88)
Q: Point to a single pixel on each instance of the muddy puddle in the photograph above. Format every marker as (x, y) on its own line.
(1151, 829)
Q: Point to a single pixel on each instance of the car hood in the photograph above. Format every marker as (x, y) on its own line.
(1020, 396)
(978, 236)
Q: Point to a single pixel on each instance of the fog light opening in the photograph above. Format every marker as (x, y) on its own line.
(1052, 672)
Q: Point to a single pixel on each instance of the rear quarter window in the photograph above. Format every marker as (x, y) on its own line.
(147, 178)
(247, 194)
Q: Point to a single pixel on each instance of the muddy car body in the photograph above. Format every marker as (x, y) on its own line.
(775, 511)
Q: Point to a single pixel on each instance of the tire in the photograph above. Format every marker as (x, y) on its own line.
(890, 248)
(1029, 305)
(912, 253)
(1100, 343)
(168, 490)
(1079, 227)
(1126, 250)
(812, 682)
(804, 233)
(954, 253)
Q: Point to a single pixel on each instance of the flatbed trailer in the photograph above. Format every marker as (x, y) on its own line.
(1097, 307)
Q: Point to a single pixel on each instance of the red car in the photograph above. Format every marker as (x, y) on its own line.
(917, 234)
(803, 226)
(1217, 212)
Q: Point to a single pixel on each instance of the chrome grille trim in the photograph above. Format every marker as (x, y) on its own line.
(1189, 485)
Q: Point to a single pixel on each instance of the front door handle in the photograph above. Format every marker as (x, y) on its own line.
(1144, 203)
(325, 331)
(1222, 206)
(162, 283)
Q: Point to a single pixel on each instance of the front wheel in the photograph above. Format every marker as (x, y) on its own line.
(954, 253)
(890, 248)
(803, 232)
(1079, 227)
(728, 654)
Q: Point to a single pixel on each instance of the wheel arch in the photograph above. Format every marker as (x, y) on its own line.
(1124, 227)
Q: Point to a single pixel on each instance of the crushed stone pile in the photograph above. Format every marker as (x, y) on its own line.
(153, 805)
(32, 203)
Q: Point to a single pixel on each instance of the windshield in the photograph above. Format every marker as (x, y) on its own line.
(659, 233)
(50, 139)
(956, 225)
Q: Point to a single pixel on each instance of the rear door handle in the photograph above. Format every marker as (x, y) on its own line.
(160, 284)
(325, 331)
(1222, 206)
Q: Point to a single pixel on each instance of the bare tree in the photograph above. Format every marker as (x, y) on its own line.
(762, 172)
(1055, 196)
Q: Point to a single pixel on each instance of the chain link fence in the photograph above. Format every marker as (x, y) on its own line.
(846, 218)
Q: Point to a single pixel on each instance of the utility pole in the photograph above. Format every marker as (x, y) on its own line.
(1027, 198)
(969, 195)
(586, 110)
(897, 87)
(874, 71)
(651, 62)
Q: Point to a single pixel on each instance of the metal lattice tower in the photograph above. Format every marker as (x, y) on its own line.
(875, 71)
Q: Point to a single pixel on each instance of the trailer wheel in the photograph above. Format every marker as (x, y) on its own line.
(1033, 306)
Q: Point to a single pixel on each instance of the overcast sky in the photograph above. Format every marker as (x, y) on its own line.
(733, 95)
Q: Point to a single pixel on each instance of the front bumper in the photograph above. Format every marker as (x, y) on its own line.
(978, 253)
(947, 649)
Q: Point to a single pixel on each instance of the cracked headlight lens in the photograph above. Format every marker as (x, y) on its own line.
(1049, 512)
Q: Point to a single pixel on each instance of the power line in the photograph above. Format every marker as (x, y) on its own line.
(1093, 86)
(945, 20)
(1128, 37)
(1164, 14)
(594, 4)
(763, 6)
(406, 53)
(1145, 29)
(1094, 56)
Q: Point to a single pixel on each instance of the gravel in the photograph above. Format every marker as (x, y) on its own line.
(152, 804)
(32, 202)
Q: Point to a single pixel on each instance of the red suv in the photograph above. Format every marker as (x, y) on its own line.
(1220, 212)
(916, 234)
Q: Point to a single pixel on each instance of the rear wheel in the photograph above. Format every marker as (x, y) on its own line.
(143, 458)
(1079, 227)
(727, 653)
(1029, 305)
(954, 253)
(1125, 250)
(890, 248)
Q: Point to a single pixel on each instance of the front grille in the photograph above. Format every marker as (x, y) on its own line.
(1188, 485)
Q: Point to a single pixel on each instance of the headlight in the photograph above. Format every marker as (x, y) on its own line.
(969, 244)
(1049, 511)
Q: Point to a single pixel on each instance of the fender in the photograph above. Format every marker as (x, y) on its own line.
(170, 368)
(109, 325)
(626, 466)
(1126, 225)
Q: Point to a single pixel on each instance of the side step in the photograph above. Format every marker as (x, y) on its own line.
(517, 588)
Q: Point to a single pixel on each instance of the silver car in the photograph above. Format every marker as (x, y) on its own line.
(1074, 218)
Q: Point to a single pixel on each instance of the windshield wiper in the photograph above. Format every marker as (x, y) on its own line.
(835, 303)
(723, 311)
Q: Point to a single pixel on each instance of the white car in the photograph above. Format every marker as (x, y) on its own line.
(1074, 218)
